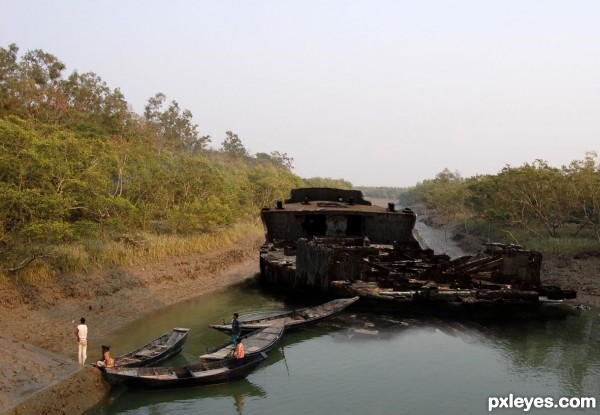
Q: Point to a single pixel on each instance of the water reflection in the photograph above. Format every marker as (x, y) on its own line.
(366, 362)
(566, 348)
(129, 401)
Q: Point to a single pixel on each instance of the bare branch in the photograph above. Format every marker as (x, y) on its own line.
(26, 263)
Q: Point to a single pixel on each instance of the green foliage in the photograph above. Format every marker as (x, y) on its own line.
(327, 182)
(528, 204)
(389, 193)
(276, 159)
(94, 107)
(232, 145)
(48, 232)
(173, 127)
(268, 184)
(205, 215)
(446, 194)
(78, 167)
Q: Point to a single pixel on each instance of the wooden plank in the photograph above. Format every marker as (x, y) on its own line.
(209, 372)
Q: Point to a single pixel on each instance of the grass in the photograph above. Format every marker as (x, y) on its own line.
(126, 251)
(566, 245)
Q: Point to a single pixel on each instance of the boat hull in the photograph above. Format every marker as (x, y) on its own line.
(155, 351)
(294, 319)
(256, 342)
(201, 374)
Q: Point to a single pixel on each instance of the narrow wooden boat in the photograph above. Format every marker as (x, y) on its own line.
(155, 351)
(259, 341)
(219, 371)
(293, 319)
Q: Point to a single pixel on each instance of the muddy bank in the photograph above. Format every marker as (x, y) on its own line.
(39, 373)
(74, 394)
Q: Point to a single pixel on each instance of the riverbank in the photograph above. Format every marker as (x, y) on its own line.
(39, 373)
(38, 369)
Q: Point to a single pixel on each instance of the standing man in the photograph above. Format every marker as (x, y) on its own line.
(81, 332)
(235, 329)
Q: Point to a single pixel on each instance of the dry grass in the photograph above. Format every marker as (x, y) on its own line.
(126, 251)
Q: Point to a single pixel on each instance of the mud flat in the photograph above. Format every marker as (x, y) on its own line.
(39, 373)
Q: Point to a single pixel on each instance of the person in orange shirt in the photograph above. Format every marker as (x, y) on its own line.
(238, 352)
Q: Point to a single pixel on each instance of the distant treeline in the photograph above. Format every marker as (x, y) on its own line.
(390, 193)
(529, 203)
(533, 201)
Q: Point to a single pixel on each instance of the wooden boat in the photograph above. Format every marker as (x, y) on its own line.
(155, 351)
(259, 341)
(293, 319)
(219, 371)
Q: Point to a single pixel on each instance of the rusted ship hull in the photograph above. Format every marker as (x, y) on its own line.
(335, 241)
(455, 303)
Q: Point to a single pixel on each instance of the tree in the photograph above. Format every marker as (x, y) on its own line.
(31, 87)
(327, 182)
(487, 199)
(175, 130)
(93, 103)
(269, 184)
(9, 68)
(232, 146)
(43, 96)
(50, 181)
(583, 183)
(276, 159)
(448, 194)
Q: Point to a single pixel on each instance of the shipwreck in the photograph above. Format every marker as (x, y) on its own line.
(335, 241)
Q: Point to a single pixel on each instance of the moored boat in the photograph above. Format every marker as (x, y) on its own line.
(259, 341)
(220, 371)
(293, 319)
(155, 351)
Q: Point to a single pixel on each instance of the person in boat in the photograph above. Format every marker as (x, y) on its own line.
(235, 329)
(239, 353)
(106, 360)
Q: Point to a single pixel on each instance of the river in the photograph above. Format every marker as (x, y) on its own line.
(365, 363)
(395, 364)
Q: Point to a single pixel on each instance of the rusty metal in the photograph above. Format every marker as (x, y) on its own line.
(334, 240)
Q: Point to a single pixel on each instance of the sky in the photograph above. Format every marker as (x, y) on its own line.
(376, 92)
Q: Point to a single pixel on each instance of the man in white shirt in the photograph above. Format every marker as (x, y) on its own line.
(81, 332)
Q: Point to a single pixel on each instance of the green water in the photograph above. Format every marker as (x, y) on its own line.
(395, 365)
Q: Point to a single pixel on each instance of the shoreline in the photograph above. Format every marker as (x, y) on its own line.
(39, 372)
(38, 353)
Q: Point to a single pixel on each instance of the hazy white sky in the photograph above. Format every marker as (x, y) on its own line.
(381, 93)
